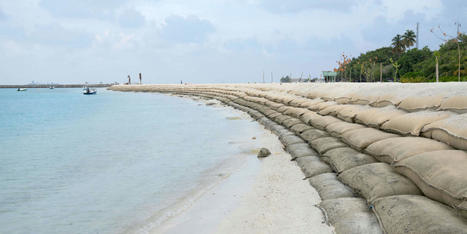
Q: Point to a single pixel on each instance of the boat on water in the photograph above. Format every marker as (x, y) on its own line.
(88, 91)
(51, 87)
(21, 89)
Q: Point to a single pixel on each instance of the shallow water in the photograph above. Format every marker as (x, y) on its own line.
(106, 163)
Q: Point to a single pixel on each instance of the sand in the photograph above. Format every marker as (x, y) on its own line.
(261, 196)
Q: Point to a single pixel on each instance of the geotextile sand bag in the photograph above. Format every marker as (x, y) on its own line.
(341, 159)
(360, 138)
(281, 118)
(375, 117)
(320, 106)
(331, 110)
(312, 134)
(322, 145)
(350, 215)
(308, 116)
(441, 175)
(310, 103)
(417, 103)
(321, 122)
(452, 131)
(291, 122)
(416, 214)
(338, 128)
(412, 123)
(300, 150)
(300, 128)
(295, 112)
(290, 139)
(349, 112)
(377, 180)
(312, 166)
(394, 149)
(456, 104)
(328, 187)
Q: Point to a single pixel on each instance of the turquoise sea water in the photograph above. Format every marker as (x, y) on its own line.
(72, 163)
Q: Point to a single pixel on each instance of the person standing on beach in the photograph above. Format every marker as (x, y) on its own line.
(129, 80)
(140, 78)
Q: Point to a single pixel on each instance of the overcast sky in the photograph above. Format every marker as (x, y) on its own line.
(202, 41)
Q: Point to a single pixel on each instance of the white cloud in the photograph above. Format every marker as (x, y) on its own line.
(209, 40)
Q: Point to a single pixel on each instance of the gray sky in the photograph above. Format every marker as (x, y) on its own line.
(202, 41)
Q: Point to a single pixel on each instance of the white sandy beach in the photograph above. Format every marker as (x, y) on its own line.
(260, 196)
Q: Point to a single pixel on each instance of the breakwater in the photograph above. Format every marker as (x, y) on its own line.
(383, 157)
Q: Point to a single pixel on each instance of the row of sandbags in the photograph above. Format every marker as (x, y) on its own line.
(445, 126)
(444, 182)
(323, 176)
(314, 168)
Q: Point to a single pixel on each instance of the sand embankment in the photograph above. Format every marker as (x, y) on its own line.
(383, 157)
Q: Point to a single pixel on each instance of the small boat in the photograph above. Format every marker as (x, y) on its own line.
(88, 91)
(21, 89)
(51, 87)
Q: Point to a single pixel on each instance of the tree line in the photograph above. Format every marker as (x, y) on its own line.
(401, 62)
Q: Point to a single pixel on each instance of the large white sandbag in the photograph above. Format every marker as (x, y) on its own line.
(452, 131)
(441, 175)
(394, 149)
(412, 123)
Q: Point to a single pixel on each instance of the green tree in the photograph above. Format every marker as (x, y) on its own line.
(408, 39)
(398, 44)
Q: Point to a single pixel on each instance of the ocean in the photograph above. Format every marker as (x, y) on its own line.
(106, 163)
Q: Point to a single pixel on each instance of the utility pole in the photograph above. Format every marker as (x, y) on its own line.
(381, 70)
(417, 35)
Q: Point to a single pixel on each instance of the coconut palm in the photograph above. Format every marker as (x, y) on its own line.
(398, 44)
(409, 38)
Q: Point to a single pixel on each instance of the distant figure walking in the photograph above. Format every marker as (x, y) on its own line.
(140, 78)
(181, 81)
(129, 80)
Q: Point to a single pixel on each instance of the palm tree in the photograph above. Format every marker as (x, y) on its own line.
(398, 44)
(409, 38)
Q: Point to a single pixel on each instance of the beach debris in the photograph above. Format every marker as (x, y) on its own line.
(263, 152)
(253, 138)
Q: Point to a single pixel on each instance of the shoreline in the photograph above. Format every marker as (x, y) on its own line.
(215, 205)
